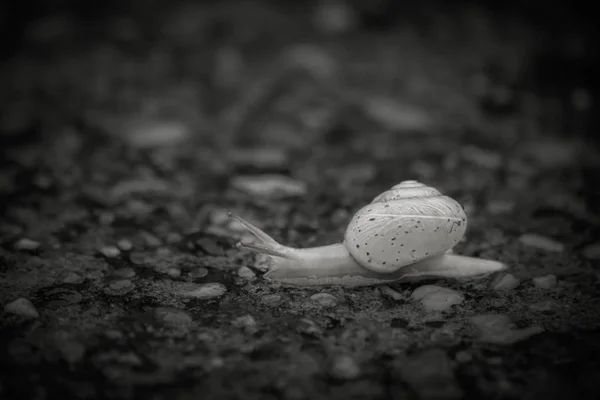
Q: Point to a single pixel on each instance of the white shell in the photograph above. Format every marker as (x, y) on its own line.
(406, 224)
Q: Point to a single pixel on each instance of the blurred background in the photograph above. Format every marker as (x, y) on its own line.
(526, 56)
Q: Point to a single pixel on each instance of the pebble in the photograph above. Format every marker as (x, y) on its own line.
(271, 299)
(592, 251)
(149, 239)
(545, 306)
(198, 273)
(541, 242)
(324, 299)
(119, 287)
(430, 373)
(395, 115)
(110, 251)
(154, 133)
(125, 244)
(174, 238)
(270, 185)
(498, 329)
(246, 273)
(174, 272)
(209, 247)
(22, 307)
(482, 157)
(501, 206)
(138, 207)
(309, 327)
(207, 291)
(437, 298)
(71, 351)
(27, 244)
(246, 322)
(173, 317)
(60, 297)
(463, 357)
(506, 282)
(344, 367)
(126, 272)
(70, 277)
(127, 188)
(387, 291)
(335, 17)
(552, 153)
(545, 282)
(314, 59)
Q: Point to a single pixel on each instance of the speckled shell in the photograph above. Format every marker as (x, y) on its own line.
(406, 224)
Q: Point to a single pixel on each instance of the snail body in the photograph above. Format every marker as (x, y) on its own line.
(406, 232)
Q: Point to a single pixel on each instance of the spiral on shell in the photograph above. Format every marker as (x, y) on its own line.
(403, 225)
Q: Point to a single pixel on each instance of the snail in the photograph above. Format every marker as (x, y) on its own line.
(406, 232)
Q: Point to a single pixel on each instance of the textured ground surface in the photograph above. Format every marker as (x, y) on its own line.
(126, 142)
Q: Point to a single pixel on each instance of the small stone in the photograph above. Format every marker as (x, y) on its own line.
(163, 252)
(246, 322)
(174, 272)
(138, 207)
(94, 275)
(71, 351)
(22, 307)
(106, 218)
(313, 59)
(501, 206)
(207, 291)
(506, 282)
(430, 373)
(344, 367)
(27, 244)
(325, 299)
(149, 239)
(463, 357)
(70, 277)
(174, 237)
(173, 317)
(498, 329)
(545, 282)
(126, 272)
(552, 153)
(246, 273)
(436, 298)
(269, 185)
(335, 16)
(309, 327)
(209, 247)
(541, 242)
(545, 306)
(592, 251)
(125, 244)
(387, 291)
(119, 287)
(110, 251)
(60, 297)
(198, 273)
(153, 132)
(396, 115)
(271, 299)
(482, 157)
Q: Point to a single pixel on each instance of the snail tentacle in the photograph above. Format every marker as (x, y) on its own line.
(267, 245)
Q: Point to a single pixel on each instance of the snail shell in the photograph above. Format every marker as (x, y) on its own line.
(406, 224)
